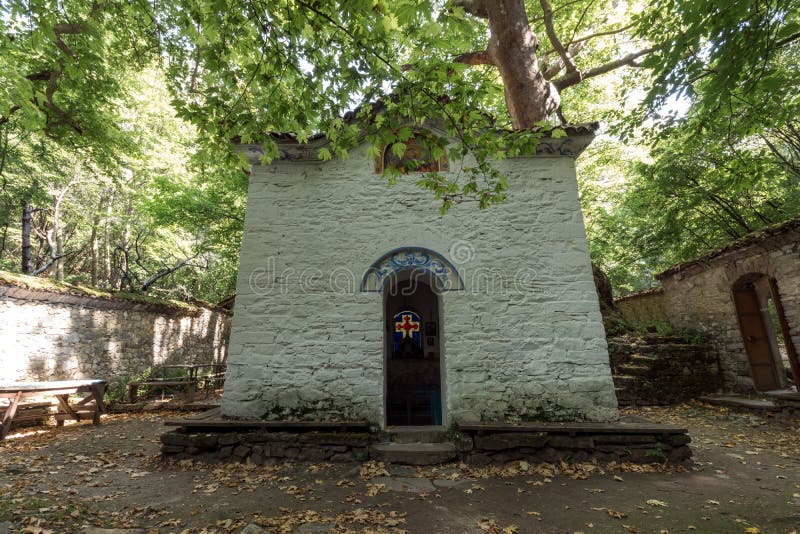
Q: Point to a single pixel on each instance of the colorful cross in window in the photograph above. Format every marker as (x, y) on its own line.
(406, 326)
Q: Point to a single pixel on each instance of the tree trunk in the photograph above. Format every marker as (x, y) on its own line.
(27, 222)
(59, 251)
(122, 268)
(532, 94)
(94, 245)
(106, 276)
(3, 242)
(512, 47)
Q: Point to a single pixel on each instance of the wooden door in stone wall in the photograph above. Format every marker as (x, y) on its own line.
(413, 372)
(754, 334)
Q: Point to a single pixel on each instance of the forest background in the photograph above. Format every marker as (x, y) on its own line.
(117, 170)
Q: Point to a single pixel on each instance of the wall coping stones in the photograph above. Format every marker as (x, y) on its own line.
(768, 238)
(31, 288)
(620, 427)
(652, 292)
(290, 148)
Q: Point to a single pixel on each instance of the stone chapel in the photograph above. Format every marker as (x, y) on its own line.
(359, 301)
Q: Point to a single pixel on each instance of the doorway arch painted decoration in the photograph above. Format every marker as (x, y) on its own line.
(423, 260)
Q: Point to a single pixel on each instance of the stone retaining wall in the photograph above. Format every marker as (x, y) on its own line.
(644, 308)
(476, 447)
(57, 336)
(653, 370)
(492, 448)
(261, 447)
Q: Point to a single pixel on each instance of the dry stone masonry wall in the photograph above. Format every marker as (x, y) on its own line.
(653, 370)
(645, 308)
(698, 296)
(476, 447)
(56, 336)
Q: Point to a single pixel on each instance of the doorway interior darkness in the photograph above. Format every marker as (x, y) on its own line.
(413, 367)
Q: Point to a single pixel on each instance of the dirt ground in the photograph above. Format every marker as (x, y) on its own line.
(745, 478)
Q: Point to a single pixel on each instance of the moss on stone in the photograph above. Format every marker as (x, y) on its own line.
(47, 284)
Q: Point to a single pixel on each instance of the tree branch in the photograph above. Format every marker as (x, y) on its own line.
(164, 272)
(5, 118)
(68, 29)
(475, 58)
(574, 78)
(550, 29)
(549, 71)
(53, 260)
(601, 34)
(580, 20)
(476, 8)
(783, 42)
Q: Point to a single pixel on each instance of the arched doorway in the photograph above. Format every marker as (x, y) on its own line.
(764, 331)
(413, 351)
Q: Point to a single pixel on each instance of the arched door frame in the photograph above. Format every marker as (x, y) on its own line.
(391, 282)
(761, 287)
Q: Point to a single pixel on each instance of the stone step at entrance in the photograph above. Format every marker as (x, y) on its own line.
(736, 401)
(785, 398)
(413, 453)
(417, 434)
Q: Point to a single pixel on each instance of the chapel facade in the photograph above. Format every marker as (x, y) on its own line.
(359, 301)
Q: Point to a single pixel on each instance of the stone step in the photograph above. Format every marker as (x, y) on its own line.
(624, 381)
(653, 339)
(413, 453)
(734, 401)
(643, 359)
(631, 369)
(417, 434)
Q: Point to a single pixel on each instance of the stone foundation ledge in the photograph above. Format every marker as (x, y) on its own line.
(263, 447)
(482, 448)
(476, 447)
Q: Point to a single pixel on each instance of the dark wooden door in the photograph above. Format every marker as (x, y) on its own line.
(756, 343)
(413, 375)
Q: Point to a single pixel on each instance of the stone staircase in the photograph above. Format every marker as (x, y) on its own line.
(655, 369)
(414, 446)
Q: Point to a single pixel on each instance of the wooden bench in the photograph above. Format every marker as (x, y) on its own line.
(190, 382)
(29, 414)
(91, 406)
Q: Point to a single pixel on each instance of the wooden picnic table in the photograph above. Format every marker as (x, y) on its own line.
(93, 391)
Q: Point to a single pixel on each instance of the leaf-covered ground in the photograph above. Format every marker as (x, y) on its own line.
(746, 478)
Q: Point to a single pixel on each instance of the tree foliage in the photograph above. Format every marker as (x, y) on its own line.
(116, 117)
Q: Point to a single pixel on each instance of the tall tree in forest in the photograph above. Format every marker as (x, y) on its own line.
(532, 93)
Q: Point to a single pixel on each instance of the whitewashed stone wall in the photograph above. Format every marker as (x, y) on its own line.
(55, 336)
(524, 340)
(700, 298)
